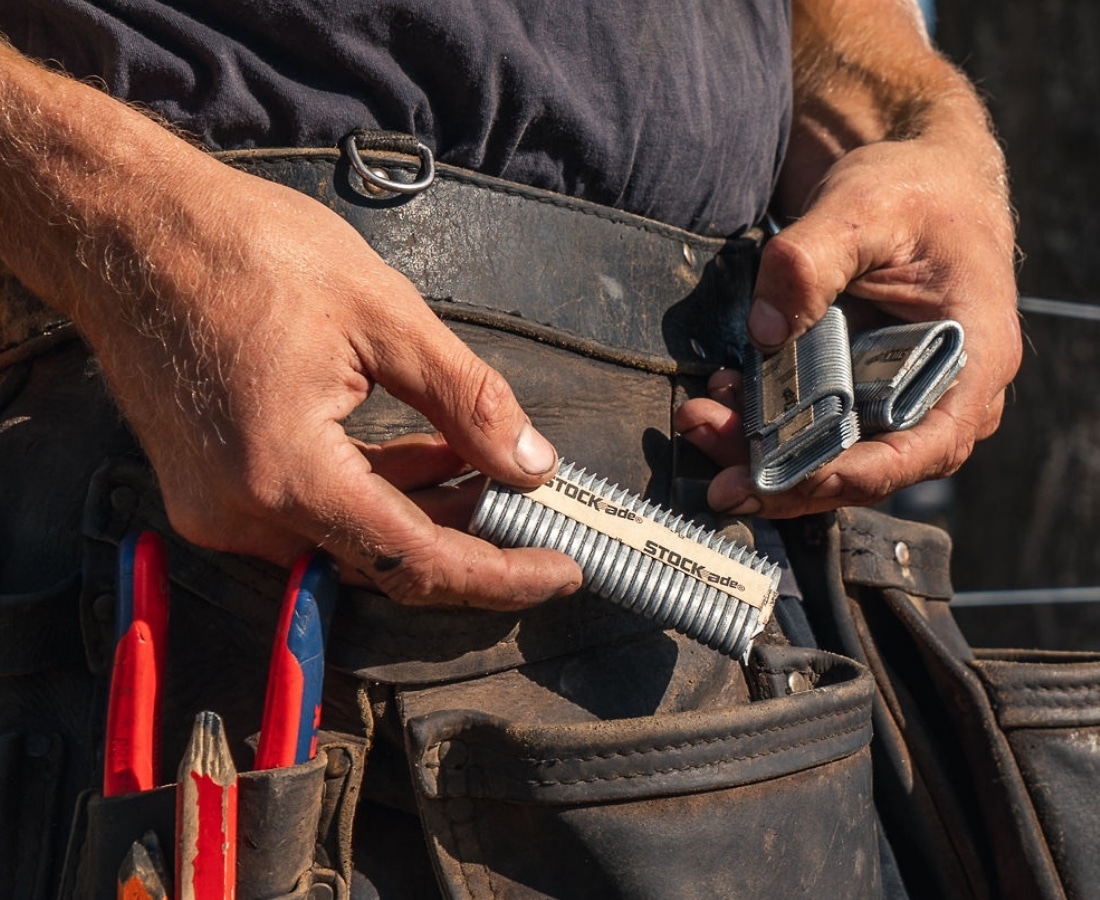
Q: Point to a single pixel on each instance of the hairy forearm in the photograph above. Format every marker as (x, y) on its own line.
(865, 71)
(90, 192)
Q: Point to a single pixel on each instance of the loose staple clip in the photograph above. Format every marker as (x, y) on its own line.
(800, 405)
(901, 371)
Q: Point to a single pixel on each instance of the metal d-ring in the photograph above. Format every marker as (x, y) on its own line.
(374, 177)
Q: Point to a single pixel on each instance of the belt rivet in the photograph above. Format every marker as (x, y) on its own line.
(797, 682)
(124, 499)
(689, 255)
(371, 187)
(901, 553)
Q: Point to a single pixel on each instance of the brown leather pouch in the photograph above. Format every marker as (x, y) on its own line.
(985, 760)
(640, 769)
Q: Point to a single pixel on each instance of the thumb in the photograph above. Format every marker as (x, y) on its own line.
(468, 401)
(802, 270)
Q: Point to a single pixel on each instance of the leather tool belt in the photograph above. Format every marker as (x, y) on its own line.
(553, 268)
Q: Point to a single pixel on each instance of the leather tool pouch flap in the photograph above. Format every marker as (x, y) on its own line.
(984, 760)
(709, 795)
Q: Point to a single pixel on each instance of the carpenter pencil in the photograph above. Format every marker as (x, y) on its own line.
(206, 815)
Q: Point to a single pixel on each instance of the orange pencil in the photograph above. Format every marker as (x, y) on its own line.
(141, 875)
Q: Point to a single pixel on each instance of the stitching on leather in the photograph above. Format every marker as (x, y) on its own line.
(921, 549)
(1066, 696)
(685, 745)
(763, 754)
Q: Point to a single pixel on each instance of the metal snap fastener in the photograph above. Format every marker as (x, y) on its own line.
(797, 682)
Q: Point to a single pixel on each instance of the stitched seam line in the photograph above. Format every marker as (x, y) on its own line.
(1071, 696)
(664, 748)
(694, 767)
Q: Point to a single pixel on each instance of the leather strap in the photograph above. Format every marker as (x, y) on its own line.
(563, 271)
(604, 282)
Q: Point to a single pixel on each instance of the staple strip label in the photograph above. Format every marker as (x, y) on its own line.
(653, 539)
(779, 380)
(780, 394)
(878, 364)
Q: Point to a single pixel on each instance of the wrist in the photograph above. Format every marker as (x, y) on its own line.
(855, 86)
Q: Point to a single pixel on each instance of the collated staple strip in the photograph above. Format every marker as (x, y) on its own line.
(901, 371)
(800, 405)
(636, 554)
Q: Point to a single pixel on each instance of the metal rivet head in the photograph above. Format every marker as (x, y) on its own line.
(901, 553)
(797, 682)
(338, 764)
(371, 187)
(689, 255)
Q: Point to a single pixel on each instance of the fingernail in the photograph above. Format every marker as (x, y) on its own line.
(767, 324)
(534, 454)
(570, 587)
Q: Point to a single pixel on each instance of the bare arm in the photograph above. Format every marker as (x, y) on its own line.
(894, 191)
(237, 323)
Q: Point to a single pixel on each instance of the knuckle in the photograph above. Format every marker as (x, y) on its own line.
(789, 260)
(492, 398)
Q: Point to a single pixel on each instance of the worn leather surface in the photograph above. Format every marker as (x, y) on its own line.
(279, 823)
(278, 814)
(1048, 705)
(637, 289)
(670, 783)
(568, 271)
(983, 760)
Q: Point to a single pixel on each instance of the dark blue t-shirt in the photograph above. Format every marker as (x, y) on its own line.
(673, 110)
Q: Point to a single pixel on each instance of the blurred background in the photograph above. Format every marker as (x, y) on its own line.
(1024, 512)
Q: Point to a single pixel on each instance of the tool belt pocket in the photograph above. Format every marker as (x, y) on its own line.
(289, 826)
(528, 785)
(986, 761)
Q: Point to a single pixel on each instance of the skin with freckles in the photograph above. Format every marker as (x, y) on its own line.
(894, 197)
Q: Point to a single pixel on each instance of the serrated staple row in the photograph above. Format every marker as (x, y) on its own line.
(635, 580)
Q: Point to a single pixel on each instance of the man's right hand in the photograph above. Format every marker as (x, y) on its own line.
(238, 323)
